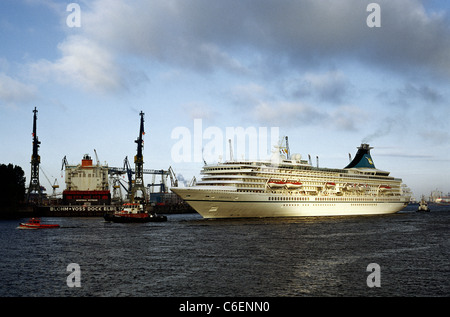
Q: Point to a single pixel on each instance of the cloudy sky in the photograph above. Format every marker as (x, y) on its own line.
(313, 69)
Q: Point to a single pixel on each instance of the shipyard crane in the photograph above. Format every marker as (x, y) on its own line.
(64, 163)
(34, 186)
(164, 176)
(116, 186)
(193, 182)
(173, 177)
(54, 185)
(127, 168)
(96, 157)
(138, 184)
(117, 181)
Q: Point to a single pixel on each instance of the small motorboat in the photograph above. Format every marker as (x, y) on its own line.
(134, 212)
(423, 205)
(35, 223)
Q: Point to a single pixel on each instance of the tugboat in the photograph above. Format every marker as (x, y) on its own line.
(35, 223)
(423, 205)
(134, 212)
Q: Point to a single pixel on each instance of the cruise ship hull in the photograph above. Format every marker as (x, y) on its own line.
(210, 204)
(292, 187)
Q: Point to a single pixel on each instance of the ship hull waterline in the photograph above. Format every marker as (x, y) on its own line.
(240, 205)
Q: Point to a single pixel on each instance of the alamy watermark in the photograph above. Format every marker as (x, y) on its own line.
(374, 278)
(374, 18)
(210, 144)
(74, 278)
(74, 18)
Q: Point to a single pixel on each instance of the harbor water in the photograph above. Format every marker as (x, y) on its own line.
(191, 256)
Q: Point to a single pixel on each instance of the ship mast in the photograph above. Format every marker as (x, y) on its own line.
(139, 165)
(35, 160)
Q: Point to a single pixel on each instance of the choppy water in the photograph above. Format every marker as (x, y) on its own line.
(190, 256)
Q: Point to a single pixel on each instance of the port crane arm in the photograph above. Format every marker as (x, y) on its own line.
(127, 168)
(140, 143)
(173, 177)
(55, 183)
(96, 157)
(64, 163)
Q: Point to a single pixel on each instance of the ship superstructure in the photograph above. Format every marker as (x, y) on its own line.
(290, 186)
(86, 184)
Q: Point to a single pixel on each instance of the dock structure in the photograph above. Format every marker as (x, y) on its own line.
(87, 191)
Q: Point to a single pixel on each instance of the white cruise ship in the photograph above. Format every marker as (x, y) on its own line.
(287, 186)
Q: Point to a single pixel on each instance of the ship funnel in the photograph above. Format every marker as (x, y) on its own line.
(362, 158)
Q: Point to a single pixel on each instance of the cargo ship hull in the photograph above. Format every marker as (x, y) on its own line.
(74, 210)
(80, 197)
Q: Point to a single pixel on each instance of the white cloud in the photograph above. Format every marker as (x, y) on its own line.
(422, 93)
(204, 35)
(14, 92)
(197, 110)
(288, 113)
(245, 38)
(331, 86)
(249, 94)
(83, 64)
(299, 114)
(435, 137)
(158, 30)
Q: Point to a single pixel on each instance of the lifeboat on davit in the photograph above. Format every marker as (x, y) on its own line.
(35, 223)
(276, 183)
(292, 184)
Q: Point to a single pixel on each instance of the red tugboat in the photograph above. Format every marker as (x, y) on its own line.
(134, 212)
(35, 223)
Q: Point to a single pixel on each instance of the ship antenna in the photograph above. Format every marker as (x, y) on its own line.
(203, 158)
(288, 153)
